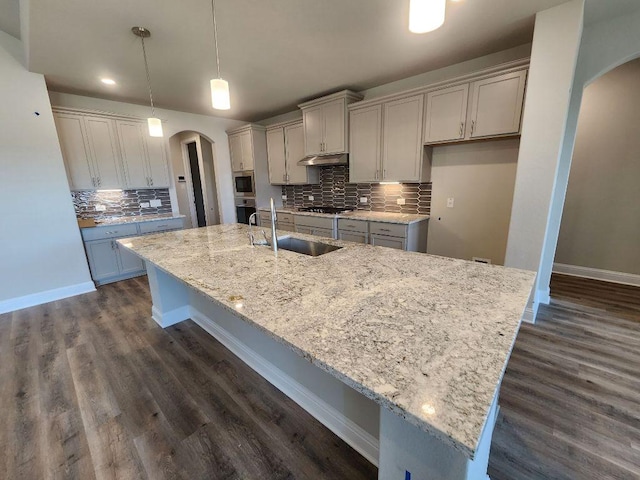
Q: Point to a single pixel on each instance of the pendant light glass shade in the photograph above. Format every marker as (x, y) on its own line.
(426, 15)
(220, 94)
(155, 127)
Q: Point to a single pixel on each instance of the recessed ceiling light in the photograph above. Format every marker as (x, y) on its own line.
(108, 81)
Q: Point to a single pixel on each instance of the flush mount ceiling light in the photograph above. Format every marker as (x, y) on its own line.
(108, 81)
(155, 124)
(220, 98)
(426, 15)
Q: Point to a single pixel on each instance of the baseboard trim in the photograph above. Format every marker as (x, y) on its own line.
(363, 442)
(597, 274)
(47, 296)
(166, 319)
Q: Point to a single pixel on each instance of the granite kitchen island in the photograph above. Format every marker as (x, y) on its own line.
(425, 338)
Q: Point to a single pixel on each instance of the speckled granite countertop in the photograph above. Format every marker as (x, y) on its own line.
(134, 219)
(387, 217)
(427, 337)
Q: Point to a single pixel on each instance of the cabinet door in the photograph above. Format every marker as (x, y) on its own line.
(158, 168)
(496, 105)
(104, 151)
(75, 151)
(446, 114)
(235, 150)
(134, 154)
(333, 114)
(129, 262)
(402, 140)
(276, 156)
(294, 135)
(390, 242)
(103, 259)
(365, 132)
(246, 141)
(312, 119)
(352, 236)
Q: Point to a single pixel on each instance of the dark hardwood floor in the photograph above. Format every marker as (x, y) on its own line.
(570, 399)
(92, 388)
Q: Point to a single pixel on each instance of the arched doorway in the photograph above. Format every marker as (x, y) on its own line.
(193, 165)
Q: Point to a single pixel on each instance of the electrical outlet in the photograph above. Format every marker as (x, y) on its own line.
(450, 202)
(400, 201)
(363, 200)
(144, 204)
(284, 197)
(155, 203)
(100, 208)
(310, 198)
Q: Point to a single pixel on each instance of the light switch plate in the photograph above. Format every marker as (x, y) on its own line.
(400, 201)
(311, 197)
(364, 199)
(100, 208)
(144, 204)
(450, 202)
(156, 203)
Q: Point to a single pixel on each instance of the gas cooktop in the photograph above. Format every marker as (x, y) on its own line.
(329, 210)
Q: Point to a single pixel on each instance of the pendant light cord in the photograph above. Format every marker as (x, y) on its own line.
(215, 33)
(146, 67)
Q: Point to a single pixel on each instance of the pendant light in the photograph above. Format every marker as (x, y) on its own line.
(219, 88)
(426, 15)
(155, 124)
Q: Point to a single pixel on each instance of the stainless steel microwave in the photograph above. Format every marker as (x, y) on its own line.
(244, 184)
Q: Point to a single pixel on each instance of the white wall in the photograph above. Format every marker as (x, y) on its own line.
(480, 177)
(605, 45)
(41, 253)
(174, 122)
(601, 223)
(553, 59)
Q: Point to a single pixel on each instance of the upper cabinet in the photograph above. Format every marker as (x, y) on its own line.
(285, 147)
(325, 123)
(386, 142)
(106, 152)
(489, 107)
(446, 114)
(496, 105)
(241, 146)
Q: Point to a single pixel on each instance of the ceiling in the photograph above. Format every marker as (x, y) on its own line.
(274, 54)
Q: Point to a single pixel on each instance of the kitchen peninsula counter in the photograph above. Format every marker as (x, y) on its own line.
(425, 337)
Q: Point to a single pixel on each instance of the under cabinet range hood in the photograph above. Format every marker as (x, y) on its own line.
(322, 160)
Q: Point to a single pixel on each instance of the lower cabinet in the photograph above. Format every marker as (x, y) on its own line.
(108, 261)
(390, 242)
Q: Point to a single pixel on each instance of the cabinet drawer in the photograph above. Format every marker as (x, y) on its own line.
(264, 219)
(356, 237)
(398, 243)
(345, 224)
(109, 231)
(389, 229)
(317, 222)
(161, 225)
(284, 218)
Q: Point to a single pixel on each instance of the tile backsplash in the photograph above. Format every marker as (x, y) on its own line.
(334, 191)
(119, 203)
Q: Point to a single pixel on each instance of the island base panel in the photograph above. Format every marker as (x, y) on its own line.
(408, 452)
(170, 297)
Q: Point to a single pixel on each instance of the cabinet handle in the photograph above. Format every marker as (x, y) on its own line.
(113, 245)
(461, 129)
(376, 174)
(284, 177)
(384, 174)
(473, 126)
(93, 181)
(151, 181)
(384, 230)
(162, 226)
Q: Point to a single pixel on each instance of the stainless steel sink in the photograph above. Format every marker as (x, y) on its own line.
(306, 247)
